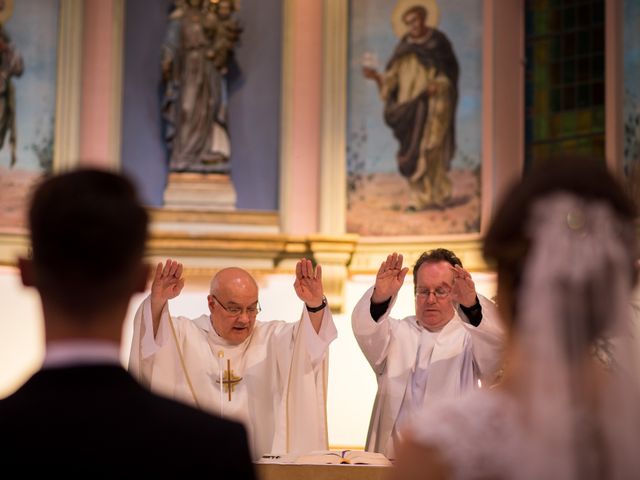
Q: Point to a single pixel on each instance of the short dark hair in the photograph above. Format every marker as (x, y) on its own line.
(88, 233)
(434, 256)
(419, 9)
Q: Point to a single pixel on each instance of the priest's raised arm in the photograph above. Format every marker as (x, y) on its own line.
(270, 375)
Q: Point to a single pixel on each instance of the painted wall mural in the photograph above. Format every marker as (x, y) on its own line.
(414, 117)
(28, 58)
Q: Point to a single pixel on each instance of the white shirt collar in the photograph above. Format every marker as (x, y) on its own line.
(66, 353)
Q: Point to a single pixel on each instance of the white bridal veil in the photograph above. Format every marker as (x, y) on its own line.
(582, 421)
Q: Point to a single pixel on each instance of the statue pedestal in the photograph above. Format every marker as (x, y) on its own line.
(199, 191)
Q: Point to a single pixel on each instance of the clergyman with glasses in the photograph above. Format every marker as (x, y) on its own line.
(453, 341)
(270, 375)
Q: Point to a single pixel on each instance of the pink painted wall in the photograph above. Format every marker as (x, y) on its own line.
(503, 142)
(306, 96)
(97, 69)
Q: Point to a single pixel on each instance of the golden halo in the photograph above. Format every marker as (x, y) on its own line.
(433, 14)
(235, 4)
(6, 12)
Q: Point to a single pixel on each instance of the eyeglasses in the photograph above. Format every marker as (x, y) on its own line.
(236, 311)
(440, 292)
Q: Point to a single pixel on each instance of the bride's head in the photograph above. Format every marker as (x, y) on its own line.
(566, 230)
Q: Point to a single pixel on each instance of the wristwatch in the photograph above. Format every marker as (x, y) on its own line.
(318, 308)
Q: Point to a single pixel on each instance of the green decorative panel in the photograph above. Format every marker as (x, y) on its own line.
(564, 77)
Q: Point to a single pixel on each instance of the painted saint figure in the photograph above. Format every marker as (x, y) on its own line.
(196, 55)
(420, 89)
(11, 65)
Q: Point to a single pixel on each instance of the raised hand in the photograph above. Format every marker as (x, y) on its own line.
(464, 290)
(389, 279)
(308, 284)
(167, 282)
(369, 72)
(372, 74)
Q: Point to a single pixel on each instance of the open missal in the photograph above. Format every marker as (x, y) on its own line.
(328, 457)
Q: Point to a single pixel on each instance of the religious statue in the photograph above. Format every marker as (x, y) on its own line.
(196, 55)
(11, 65)
(420, 89)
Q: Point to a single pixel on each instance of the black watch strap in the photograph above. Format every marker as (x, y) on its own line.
(318, 308)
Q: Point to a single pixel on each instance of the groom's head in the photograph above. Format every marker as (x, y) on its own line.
(88, 232)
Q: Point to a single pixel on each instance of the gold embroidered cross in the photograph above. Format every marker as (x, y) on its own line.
(230, 379)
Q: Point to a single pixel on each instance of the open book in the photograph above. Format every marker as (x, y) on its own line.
(353, 457)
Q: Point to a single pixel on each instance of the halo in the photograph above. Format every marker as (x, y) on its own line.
(6, 12)
(235, 4)
(433, 17)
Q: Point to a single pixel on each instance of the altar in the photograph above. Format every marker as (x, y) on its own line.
(273, 471)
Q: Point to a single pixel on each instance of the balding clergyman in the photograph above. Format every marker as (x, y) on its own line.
(269, 375)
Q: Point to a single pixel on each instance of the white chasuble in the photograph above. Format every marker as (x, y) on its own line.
(276, 385)
(414, 366)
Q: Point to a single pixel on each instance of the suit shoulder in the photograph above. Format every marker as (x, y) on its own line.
(174, 410)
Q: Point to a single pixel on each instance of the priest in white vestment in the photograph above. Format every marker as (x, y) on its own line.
(453, 340)
(272, 375)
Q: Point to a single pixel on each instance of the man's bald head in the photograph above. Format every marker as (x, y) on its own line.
(232, 278)
(233, 303)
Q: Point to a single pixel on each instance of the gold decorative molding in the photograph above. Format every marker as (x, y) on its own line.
(262, 253)
(12, 246)
(369, 253)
